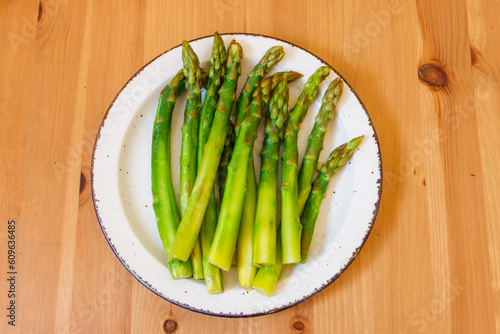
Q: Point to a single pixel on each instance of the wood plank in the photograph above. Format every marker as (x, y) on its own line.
(18, 42)
(115, 54)
(482, 17)
(53, 49)
(449, 50)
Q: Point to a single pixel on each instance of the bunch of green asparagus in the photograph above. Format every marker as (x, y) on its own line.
(240, 225)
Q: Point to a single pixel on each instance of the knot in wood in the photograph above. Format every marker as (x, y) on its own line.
(299, 324)
(169, 326)
(433, 75)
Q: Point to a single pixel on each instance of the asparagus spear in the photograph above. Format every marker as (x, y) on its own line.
(315, 141)
(226, 234)
(189, 227)
(189, 143)
(264, 245)
(270, 58)
(269, 85)
(191, 124)
(224, 162)
(214, 279)
(266, 278)
(244, 249)
(213, 275)
(216, 74)
(164, 204)
(246, 269)
(246, 272)
(290, 218)
(336, 160)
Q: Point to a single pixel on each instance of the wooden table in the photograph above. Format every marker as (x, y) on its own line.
(427, 71)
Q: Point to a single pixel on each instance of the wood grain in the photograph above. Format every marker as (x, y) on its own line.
(427, 71)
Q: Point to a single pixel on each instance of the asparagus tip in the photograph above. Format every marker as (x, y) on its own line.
(349, 149)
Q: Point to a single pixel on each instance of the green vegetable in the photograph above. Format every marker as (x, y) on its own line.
(246, 272)
(189, 227)
(270, 58)
(164, 204)
(336, 160)
(290, 218)
(315, 140)
(267, 277)
(189, 143)
(226, 234)
(213, 275)
(264, 245)
(244, 249)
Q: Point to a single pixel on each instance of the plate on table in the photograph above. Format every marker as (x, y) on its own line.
(121, 184)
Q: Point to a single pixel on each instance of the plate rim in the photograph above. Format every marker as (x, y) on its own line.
(379, 181)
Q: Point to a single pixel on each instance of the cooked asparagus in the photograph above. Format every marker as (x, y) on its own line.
(189, 227)
(164, 204)
(213, 275)
(290, 219)
(336, 160)
(226, 234)
(270, 58)
(315, 140)
(264, 247)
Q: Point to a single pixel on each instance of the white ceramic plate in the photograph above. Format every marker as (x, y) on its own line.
(121, 185)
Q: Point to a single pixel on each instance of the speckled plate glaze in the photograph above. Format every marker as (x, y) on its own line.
(121, 185)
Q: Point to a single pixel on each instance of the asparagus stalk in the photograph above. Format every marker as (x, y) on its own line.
(243, 254)
(213, 275)
(268, 85)
(189, 227)
(336, 160)
(246, 272)
(164, 204)
(224, 162)
(245, 238)
(191, 124)
(226, 234)
(315, 141)
(270, 58)
(189, 143)
(267, 277)
(264, 245)
(244, 249)
(218, 60)
(214, 279)
(290, 218)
